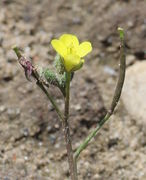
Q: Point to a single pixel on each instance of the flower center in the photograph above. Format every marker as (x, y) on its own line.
(71, 49)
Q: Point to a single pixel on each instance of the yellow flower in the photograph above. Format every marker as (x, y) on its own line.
(68, 47)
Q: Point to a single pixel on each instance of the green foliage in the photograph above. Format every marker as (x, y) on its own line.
(55, 79)
(58, 64)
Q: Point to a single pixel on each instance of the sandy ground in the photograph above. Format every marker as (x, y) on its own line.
(31, 141)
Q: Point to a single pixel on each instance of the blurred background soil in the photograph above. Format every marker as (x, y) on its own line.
(31, 141)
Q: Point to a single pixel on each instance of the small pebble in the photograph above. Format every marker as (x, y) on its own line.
(78, 107)
(111, 49)
(56, 126)
(40, 143)
(25, 132)
(130, 59)
(110, 71)
(2, 109)
(13, 113)
(25, 158)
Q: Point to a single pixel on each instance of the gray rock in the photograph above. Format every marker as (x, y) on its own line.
(134, 92)
(130, 59)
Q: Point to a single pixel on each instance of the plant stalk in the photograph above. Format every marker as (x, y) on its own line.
(66, 130)
(115, 99)
(41, 84)
(51, 100)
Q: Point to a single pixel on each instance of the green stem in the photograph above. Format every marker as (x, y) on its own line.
(51, 100)
(40, 83)
(66, 130)
(16, 50)
(90, 136)
(115, 100)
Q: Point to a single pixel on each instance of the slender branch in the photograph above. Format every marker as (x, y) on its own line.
(39, 82)
(122, 70)
(66, 130)
(115, 100)
(51, 99)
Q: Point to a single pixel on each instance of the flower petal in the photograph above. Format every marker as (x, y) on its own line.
(79, 66)
(71, 61)
(84, 48)
(59, 47)
(69, 39)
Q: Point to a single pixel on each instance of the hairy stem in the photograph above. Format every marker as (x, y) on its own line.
(41, 84)
(66, 130)
(51, 99)
(115, 100)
